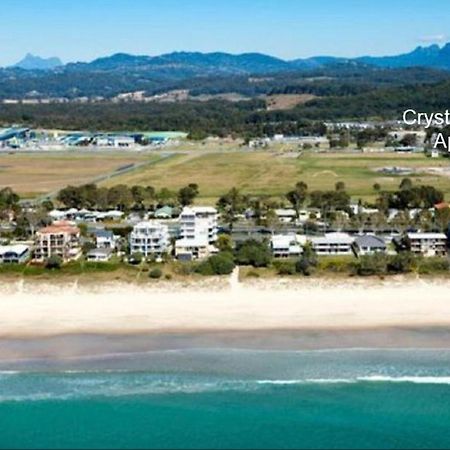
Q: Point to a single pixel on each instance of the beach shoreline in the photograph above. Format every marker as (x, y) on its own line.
(30, 310)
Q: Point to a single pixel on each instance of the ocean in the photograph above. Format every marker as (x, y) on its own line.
(229, 398)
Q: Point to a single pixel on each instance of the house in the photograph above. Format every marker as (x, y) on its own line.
(368, 244)
(99, 255)
(333, 244)
(166, 212)
(104, 239)
(428, 244)
(62, 239)
(14, 254)
(198, 232)
(286, 215)
(190, 249)
(285, 246)
(150, 238)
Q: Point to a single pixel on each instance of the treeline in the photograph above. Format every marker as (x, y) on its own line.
(125, 198)
(86, 81)
(222, 118)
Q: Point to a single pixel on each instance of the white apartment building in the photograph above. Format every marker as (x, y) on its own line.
(150, 239)
(199, 221)
(198, 232)
(428, 244)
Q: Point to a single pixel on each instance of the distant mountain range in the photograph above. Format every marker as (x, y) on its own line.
(188, 64)
(32, 62)
(248, 74)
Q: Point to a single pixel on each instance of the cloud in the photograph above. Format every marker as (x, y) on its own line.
(433, 38)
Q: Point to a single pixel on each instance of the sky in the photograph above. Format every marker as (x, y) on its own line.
(82, 30)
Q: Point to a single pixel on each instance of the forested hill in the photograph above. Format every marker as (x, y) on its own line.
(249, 118)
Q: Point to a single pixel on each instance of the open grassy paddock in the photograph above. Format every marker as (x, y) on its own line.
(275, 173)
(216, 169)
(41, 173)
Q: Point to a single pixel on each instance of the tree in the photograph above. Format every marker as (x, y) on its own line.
(187, 194)
(406, 184)
(253, 253)
(340, 186)
(308, 261)
(377, 187)
(139, 195)
(224, 243)
(70, 197)
(231, 204)
(120, 197)
(443, 218)
(298, 196)
(409, 140)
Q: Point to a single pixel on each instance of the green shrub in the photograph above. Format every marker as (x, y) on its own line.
(220, 264)
(403, 262)
(184, 268)
(253, 253)
(336, 264)
(136, 258)
(307, 262)
(54, 262)
(433, 265)
(285, 267)
(155, 274)
(375, 264)
(168, 276)
(252, 274)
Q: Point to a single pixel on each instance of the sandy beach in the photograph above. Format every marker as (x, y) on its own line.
(39, 310)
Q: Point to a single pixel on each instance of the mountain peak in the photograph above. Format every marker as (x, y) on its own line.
(33, 62)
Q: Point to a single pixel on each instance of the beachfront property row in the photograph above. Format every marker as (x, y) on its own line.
(192, 235)
(342, 244)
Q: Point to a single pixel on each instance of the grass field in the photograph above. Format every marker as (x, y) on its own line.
(216, 169)
(35, 174)
(272, 174)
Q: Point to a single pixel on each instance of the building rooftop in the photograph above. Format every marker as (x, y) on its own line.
(368, 240)
(426, 236)
(60, 227)
(19, 249)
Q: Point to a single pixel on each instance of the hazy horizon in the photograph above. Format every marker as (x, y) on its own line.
(288, 29)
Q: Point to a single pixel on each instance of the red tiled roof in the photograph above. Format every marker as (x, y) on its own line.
(442, 205)
(62, 226)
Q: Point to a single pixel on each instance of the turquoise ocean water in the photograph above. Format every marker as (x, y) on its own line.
(226, 398)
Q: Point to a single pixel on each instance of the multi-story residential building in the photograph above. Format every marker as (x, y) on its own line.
(285, 246)
(428, 244)
(198, 221)
(61, 239)
(150, 238)
(333, 244)
(198, 232)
